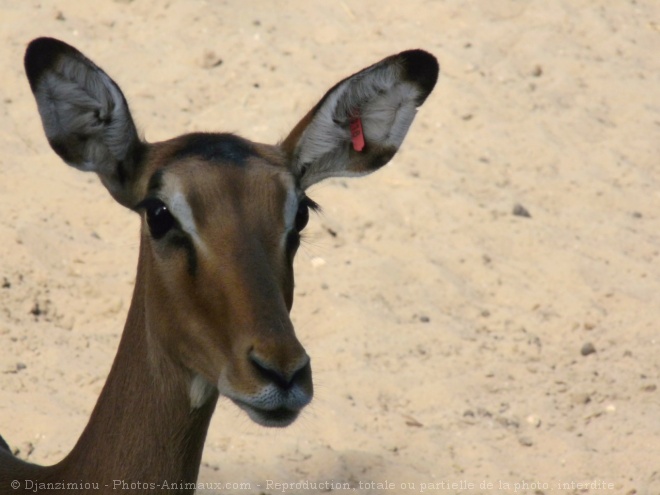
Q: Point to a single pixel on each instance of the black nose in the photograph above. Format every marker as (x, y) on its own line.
(284, 379)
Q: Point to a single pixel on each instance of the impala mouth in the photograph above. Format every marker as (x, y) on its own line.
(278, 417)
(271, 405)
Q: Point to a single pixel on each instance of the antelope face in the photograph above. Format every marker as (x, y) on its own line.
(221, 216)
(221, 226)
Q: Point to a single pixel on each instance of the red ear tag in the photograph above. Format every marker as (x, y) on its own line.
(357, 136)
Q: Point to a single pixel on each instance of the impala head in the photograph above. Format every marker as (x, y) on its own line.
(222, 216)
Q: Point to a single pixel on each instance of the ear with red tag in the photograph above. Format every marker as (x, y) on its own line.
(359, 124)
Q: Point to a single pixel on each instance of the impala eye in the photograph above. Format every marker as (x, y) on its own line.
(302, 215)
(159, 218)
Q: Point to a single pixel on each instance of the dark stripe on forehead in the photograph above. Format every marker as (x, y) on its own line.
(156, 181)
(215, 147)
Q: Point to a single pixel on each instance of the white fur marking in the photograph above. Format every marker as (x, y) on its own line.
(177, 203)
(200, 391)
(290, 211)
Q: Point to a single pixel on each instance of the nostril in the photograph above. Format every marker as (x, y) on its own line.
(282, 379)
(303, 374)
(268, 373)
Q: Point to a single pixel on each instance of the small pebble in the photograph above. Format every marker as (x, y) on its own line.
(317, 262)
(581, 398)
(587, 349)
(520, 211)
(210, 60)
(534, 420)
(36, 310)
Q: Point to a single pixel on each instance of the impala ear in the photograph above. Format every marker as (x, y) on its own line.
(85, 115)
(359, 124)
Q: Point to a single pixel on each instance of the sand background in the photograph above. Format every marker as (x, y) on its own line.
(444, 330)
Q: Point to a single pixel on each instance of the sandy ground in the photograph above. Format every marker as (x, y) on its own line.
(445, 331)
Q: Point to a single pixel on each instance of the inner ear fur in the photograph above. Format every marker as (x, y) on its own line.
(384, 99)
(85, 116)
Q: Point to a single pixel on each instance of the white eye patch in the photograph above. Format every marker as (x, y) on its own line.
(290, 209)
(290, 212)
(172, 195)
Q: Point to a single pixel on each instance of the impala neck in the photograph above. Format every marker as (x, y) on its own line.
(143, 428)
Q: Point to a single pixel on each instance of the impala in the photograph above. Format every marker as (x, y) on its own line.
(221, 222)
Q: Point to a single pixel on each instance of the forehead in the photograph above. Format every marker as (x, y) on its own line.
(215, 168)
(226, 149)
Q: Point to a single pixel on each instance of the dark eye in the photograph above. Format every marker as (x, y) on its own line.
(159, 218)
(302, 216)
